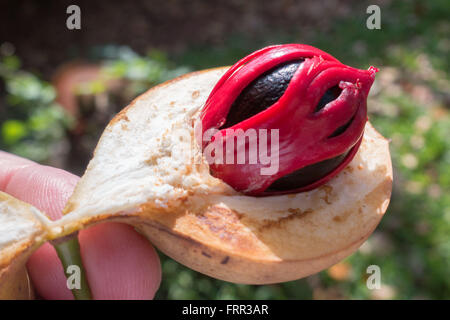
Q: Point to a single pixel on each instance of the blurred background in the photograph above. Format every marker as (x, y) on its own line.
(59, 88)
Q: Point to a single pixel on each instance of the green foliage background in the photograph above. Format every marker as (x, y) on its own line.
(409, 104)
(31, 123)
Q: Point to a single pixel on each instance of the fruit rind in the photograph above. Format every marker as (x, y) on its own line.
(203, 223)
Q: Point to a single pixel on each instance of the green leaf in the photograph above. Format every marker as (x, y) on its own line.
(13, 131)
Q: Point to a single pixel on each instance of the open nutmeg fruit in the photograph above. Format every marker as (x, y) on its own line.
(263, 172)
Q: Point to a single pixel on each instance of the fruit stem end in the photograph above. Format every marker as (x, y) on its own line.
(68, 250)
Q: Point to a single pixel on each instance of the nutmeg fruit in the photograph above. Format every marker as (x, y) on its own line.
(149, 171)
(316, 104)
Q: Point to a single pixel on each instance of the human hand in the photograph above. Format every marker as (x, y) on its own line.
(119, 262)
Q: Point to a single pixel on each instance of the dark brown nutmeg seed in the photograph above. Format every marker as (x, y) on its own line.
(261, 93)
(329, 96)
(306, 175)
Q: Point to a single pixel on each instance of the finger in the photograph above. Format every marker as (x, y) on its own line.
(9, 165)
(119, 262)
(46, 188)
(47, 274)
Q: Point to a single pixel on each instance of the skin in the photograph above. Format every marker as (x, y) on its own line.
(119, 262)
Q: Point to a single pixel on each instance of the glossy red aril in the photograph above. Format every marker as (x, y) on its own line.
(316, 104)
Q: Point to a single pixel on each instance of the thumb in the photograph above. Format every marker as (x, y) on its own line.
(46, 188)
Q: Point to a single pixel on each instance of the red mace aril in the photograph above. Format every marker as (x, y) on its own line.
(293, 104)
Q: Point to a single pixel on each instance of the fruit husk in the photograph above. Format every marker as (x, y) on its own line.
(15, 283)
(200, 221)
(14, 280)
